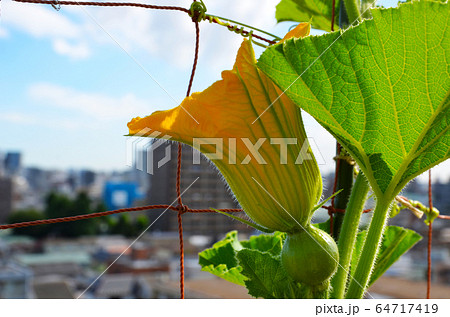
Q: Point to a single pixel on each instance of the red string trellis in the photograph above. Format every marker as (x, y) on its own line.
(106, 4)
(137, 5)
(107, 213)
(180, 208)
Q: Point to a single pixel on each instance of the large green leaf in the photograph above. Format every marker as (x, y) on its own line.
(221, 261)
(396, 242)
(381, 88)
(317, 11)
(266, 243)
(266, 276)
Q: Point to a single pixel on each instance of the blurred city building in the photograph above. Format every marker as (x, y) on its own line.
(12, 163)
(2, 164)
(121, 194)
(205, 188)
(15, 281)
(441, 197)
(6, 198)
(56, 267)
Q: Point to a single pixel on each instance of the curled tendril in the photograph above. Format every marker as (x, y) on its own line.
(233, 28)
(197, 11)
(416, 207)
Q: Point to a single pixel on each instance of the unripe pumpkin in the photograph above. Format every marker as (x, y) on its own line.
(310, 256)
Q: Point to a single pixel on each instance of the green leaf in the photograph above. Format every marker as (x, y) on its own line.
(221, 260)
(396, 242)
(382, 89)
(266, 277)
(317, 11)
(266, 243)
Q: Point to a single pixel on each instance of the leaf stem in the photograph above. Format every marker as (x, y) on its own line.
(366, 263)
(348, 234)
(353, 13)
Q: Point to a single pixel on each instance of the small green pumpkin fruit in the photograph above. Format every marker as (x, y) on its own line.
(310, 256)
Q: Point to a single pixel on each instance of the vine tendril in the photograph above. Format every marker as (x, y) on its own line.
(236, 29)
(197, 12)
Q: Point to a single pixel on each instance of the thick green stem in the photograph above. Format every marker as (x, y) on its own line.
(344, 182)
(348, 234)
(363, 271)
(352, 8)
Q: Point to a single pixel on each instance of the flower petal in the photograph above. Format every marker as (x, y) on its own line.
(301, 30)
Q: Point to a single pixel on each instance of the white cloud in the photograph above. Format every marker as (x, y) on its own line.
(23, 119)
(94, 105)
(3, 33)
(75, 51)
(132, 28)
(16, 117)
(46, 23)
(166, 35)
(39, 21)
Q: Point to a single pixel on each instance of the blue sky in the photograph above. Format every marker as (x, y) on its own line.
(71, 80)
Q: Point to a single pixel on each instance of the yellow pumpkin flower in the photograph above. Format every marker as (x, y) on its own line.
(254, 134)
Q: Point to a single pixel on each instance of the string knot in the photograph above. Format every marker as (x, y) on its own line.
(332, 210)
(182, 208)
(197, 11)
(56, 5)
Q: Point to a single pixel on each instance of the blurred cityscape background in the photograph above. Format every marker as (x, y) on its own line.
(65, 260)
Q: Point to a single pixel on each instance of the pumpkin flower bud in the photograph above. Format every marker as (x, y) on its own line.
(254, 134)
